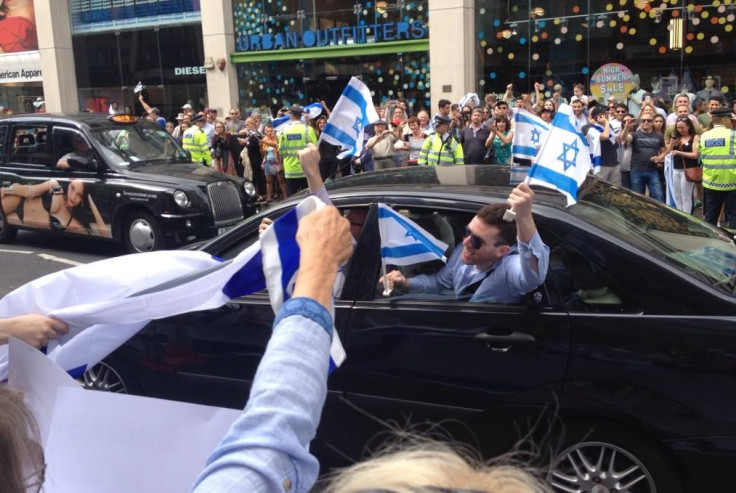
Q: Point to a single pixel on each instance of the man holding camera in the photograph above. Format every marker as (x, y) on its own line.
(382, 145)
(473, 138)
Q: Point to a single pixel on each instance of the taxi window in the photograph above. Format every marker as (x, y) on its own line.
(28, 145)
(3, 134)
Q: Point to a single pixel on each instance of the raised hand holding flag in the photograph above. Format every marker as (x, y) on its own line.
(563, 161)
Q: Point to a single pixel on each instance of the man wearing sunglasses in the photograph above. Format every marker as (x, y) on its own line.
(497, 261)
(647, 153)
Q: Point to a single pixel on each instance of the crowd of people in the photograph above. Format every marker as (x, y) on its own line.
(635, 136)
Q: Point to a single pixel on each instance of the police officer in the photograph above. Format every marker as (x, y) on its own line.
(441, 148)
(716, 147)
(195, 141)
(293, 139)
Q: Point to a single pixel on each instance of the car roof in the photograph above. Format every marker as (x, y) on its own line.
(75, 119)
(481, 180)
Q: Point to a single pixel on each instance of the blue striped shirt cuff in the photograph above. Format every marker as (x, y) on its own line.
(306, 307)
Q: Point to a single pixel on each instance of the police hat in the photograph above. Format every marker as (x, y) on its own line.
(296, 109)
(721, 112)
(197, 118)
(442, 120)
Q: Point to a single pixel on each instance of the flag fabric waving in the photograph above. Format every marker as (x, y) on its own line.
(280, 123)
(313, 109)
(352, 113)
(404, 242)
(107, 302)
(529, 133)
(138, 87)
(594, 144)
(281, 262)
(563, 161)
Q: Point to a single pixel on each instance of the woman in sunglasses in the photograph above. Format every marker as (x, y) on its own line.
(499, 260)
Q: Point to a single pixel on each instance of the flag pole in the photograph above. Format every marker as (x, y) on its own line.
(387, 288)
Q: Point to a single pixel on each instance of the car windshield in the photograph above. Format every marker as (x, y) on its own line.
(129, 145)
(693, 246)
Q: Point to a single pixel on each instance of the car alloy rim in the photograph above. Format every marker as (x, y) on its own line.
(104, 378)
(142, 236)
(599, 467)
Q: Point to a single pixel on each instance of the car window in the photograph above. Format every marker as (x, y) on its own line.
(28, 144)
(3, 134)
(247, 233)
(128, 145)
(701, 251)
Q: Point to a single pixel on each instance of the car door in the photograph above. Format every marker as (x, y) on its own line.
(469, 370)
(211, 357)
(85, 192)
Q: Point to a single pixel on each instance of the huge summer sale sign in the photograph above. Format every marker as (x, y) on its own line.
(611, 79)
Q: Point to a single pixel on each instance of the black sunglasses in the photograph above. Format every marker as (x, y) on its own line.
(646, 120)
(475, 240)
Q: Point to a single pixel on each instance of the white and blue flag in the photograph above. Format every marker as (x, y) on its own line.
(563, 162)
(594, 144)
(107, 302)
(404, 242)
(280, 123)
(529, 133)
(352, 113)
(313, 110)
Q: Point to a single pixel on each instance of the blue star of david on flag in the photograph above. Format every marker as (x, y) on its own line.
(566, 148)
(535, 136)
(358, 125)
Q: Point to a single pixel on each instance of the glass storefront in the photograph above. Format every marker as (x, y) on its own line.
(672, 45)
(168, 61)
(291, 51)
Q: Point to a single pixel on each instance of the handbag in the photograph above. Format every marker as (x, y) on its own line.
(694, 174)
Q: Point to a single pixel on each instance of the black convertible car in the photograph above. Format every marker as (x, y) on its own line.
(623, 361)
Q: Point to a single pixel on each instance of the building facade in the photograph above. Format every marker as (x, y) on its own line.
(271, 53)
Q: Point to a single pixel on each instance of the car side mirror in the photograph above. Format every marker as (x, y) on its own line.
(80, 163)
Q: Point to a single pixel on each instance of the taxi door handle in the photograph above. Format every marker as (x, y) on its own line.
(513, 338)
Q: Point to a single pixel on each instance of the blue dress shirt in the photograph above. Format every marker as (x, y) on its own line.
(267, 448)
(506, 281)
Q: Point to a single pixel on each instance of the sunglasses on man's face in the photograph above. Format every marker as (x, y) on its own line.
(646, 120)
(475, 241)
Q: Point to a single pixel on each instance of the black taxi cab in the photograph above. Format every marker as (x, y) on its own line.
(116, 177)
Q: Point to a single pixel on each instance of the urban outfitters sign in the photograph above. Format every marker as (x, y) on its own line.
(346, 35)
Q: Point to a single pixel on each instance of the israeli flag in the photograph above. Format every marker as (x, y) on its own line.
(280, 123)
(352, 113)
(564, 159)
(313, 110)
(281, 264)
(404, 242)
(107, 302)
(594, 144)
(529, 133)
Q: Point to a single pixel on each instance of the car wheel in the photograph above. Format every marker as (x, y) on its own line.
(607, 459)
(105, 378)
(143, 233)
(7, 232)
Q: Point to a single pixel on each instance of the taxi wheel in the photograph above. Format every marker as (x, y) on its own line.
(143, 233)
(7, 233)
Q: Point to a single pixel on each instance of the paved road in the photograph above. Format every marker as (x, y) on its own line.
(33, 255)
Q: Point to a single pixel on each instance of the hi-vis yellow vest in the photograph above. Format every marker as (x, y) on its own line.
(435, 152)
(292, 140)
(716, 147)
